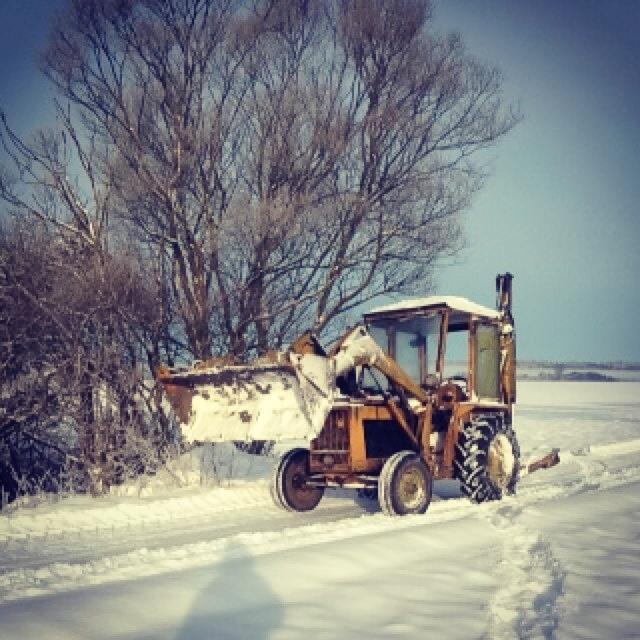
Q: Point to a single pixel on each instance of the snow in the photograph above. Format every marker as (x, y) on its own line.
(454, 303)
(263, 402)
(204, 482)
(358, 348)
(502, 449)
(208, 557)
(571, 396)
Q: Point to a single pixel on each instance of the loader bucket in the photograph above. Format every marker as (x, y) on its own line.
(278, 402)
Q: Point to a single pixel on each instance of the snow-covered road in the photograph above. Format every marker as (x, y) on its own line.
(560, 559)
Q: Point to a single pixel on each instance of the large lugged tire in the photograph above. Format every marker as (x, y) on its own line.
(487, 460)
(288, 485)
(405, 485)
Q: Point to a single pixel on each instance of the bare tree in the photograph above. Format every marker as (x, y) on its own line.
(285, 161)
(224, 175)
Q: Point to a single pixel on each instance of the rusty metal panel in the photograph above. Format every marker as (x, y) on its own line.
(425, 426)
(335, 433)
(471, 375)
(360, 462)
(445, 469)
(180, 398)
(356, 431)
(508, 372)
(442, 343)
(330, 450)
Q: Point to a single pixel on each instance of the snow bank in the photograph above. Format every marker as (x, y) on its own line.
(202, 466)
(204, 482)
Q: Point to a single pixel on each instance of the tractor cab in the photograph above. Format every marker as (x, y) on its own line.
(440, 341)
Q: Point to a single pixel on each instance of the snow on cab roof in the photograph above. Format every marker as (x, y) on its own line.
(454, 303)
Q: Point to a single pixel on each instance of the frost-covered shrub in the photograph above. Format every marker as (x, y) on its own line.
(76, 333)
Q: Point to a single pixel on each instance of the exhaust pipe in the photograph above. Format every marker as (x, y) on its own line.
(504, 297)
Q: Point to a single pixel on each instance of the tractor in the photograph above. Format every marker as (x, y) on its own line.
(421, 390)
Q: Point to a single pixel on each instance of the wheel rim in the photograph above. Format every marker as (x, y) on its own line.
(412, 489)
(296, 478)
(500, 461)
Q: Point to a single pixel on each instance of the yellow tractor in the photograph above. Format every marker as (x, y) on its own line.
(385, 411)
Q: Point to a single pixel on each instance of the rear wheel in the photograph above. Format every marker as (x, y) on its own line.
(487, 459)
(404, 485)
(289, 488)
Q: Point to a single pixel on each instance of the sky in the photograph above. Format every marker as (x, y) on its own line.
(560, 207)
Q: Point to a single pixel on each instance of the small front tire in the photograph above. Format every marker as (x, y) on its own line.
(405, 485)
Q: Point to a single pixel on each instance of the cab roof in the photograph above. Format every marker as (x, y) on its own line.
(453, 303)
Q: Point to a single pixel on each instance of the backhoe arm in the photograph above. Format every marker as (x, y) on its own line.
(358, 348)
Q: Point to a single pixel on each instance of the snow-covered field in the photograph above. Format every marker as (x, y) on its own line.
(559, 559)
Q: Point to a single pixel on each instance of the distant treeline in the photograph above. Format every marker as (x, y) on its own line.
(608, 366)
(578, 376)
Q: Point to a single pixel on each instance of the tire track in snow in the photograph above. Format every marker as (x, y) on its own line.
(530, 581)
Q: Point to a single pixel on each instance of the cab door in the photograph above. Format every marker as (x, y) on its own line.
(486, 361)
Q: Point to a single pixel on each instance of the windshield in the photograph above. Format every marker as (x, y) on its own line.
(413, 343)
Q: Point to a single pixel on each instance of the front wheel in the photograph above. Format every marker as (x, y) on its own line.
(405, 485)
(289, 488)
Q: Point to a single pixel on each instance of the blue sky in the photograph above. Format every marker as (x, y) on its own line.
(560, 208)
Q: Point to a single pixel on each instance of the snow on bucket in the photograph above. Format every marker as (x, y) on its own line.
(253, 402)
